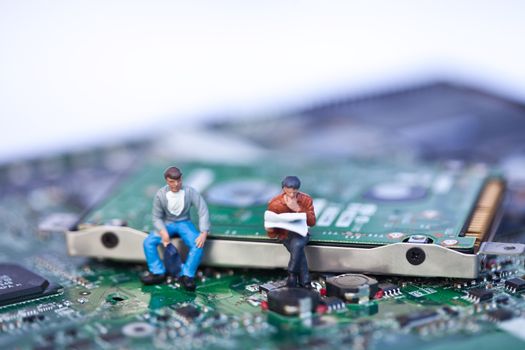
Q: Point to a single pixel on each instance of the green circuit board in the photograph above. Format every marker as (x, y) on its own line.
(356, 203)
(103, 305)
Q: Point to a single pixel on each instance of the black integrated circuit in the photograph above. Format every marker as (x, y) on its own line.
(269, 286)
(515, 285)
(500, 315)
(18, 284)
(333, 303)
(479, 295)
(188, 312)
(417, 319)
(389, 289)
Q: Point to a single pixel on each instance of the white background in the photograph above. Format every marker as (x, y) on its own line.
(80, 72)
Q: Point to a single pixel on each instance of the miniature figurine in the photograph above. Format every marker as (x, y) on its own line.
(171, 217)
(293, 201)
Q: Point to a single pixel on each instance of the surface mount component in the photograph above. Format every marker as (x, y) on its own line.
(18, 284)
(353, 288)
(292, 301)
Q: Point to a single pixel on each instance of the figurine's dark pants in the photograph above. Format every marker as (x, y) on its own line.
(298, 264)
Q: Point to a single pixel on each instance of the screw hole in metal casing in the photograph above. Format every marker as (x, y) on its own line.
(415, 256)
(109, 240)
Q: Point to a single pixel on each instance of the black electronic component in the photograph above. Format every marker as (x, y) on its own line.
(163, 318)
(479, 295)
(389, 289)
(269, 286)
(515, 285)
(333, 303)
(502, 299)
(417, 319)
(18, 284)
(112, 337)
(450, 311)
(188, 312)
(500, 315)
(29, 319)
(292, 301)
(353, 288)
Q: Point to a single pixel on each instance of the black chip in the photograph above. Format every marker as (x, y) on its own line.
(480, 294)
(389, 289)
(417, 319)
(269, 286)
(501, 315)
(163, 318)
(515, 285)
(33, 318)
(502, 299)
(287, 301)
(450, 311)
(18, 284)
(333, 303)
(189, 312)
(29, 319)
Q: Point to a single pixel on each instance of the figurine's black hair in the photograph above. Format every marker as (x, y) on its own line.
(291, 182)
(173, 173)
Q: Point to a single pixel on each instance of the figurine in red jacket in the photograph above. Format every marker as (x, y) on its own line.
(293, 201)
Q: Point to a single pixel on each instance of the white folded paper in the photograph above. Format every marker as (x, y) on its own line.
(295, 222)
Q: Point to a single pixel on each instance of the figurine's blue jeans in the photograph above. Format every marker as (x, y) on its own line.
(298, 264)
(188, 233)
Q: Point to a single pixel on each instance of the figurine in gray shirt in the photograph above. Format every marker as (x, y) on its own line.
(171, 217)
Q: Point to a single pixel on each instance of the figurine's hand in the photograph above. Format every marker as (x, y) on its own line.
(165, 237)
(292, 203)
(271, 232)
(199, 241)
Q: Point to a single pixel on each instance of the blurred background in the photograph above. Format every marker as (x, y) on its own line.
(83, 73)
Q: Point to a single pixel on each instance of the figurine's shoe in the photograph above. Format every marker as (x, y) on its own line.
(172, 261)
(151, 279)
(188, 283)
(304, 280)
(291, 281)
